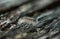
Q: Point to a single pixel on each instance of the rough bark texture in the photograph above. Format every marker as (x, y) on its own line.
(29, 19)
